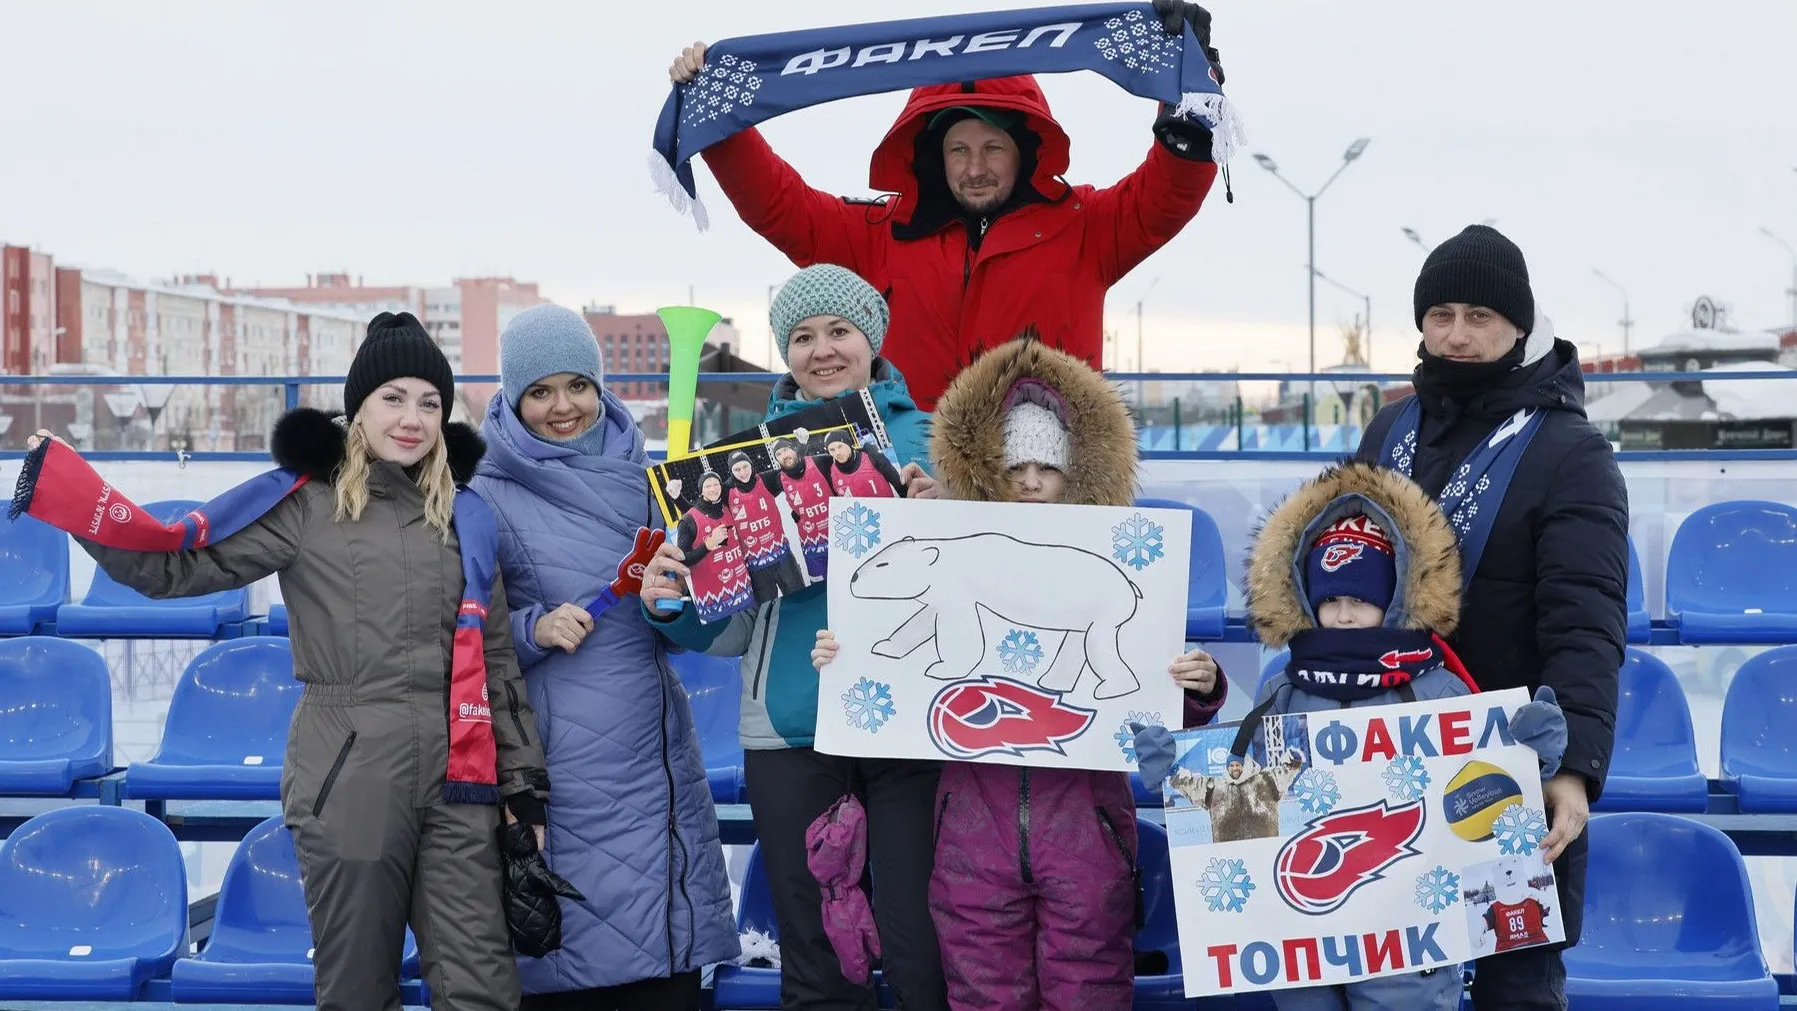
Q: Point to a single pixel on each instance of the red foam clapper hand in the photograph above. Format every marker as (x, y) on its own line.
(630, 571)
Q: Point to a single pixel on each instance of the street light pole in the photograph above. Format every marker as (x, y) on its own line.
(771, 358)
(1768, 233)
(1139, 301)
(1626, 322)
(1310, 199)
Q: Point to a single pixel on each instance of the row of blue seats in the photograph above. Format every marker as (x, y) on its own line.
(226, 728)
(93, 906)
(1731, 576)
(35, 590)
(1669, 923)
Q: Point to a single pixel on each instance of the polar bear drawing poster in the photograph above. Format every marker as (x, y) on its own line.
(1021, 634)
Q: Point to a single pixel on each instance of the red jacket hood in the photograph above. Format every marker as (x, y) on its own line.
(892, 170)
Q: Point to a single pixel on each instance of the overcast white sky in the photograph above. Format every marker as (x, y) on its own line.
(413, 142)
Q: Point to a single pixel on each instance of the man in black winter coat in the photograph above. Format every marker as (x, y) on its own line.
(1497, 431)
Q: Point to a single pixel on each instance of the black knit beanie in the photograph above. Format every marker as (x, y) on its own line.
(397, 347)
(1480, 267)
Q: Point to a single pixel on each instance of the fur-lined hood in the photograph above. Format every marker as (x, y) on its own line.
(967, 442)
(312, 442)
(1427, 554)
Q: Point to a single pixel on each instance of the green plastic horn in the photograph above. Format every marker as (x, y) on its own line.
(687, 326)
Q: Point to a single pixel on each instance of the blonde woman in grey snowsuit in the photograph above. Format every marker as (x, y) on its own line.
(370, 559)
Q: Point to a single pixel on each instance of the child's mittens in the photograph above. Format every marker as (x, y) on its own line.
(1154, 752)
(1542, 726)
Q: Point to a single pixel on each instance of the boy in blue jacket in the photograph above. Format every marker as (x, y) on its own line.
(1358, 573)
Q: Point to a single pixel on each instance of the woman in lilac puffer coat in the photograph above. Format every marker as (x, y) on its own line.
(1034, 892)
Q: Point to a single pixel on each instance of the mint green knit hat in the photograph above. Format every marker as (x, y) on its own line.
(828, 290)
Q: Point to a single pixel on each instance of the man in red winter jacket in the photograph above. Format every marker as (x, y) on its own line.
(981, 237)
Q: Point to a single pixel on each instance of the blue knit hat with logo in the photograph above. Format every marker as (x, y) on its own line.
(828, 290)
(1352, 558)
(545, 340)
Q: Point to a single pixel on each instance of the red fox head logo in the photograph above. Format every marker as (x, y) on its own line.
(1396, 658)
(1337, 555)
(1318, 869)
(997, 715)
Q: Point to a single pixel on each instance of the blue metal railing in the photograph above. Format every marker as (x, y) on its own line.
(1312, 447)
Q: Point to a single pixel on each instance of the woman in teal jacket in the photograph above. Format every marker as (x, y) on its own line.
(829, 324)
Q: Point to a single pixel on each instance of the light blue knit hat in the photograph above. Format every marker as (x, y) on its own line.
(542, 341)
(828, 290)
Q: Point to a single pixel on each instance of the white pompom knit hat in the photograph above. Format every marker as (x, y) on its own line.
(1035, 434)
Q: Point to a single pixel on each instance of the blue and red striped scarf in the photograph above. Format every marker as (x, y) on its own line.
(60, 488)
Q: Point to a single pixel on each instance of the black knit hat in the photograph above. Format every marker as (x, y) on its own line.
(397, 347)
(1480, 267)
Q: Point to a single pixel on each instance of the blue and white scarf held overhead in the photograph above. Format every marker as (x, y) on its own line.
(751, 80)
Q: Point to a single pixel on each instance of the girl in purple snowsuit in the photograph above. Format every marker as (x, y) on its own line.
(1035, 888)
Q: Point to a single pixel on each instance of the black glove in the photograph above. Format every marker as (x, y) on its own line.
(1185, 136)
(1174, 14)
(532, 916)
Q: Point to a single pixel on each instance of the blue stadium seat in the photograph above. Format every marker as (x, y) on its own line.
(1275, 664)
(1654, 764)
(111, 610)
(1732, 574)
(93, 902)
(35, 558)
(1640, 629)
(1669, 921)
(749, 988)
(1759, 733)
(277, 619)
(57, 727)
(226, 730)
(1208, 595)
(714, 690)
(260, 949)
(1160, 978)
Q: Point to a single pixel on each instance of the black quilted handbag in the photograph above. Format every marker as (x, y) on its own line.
(532, 915)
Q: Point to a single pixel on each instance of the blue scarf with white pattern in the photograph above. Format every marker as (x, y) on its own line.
(751, 80)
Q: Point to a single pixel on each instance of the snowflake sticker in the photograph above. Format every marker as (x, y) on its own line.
(1136, 542)
(858, 530)
(1126, 738)
(1519, 829)
(1316, 792)
(868, 705)
(1019, 651)
(1225, 885)
(1438, 889)
(1406, 779)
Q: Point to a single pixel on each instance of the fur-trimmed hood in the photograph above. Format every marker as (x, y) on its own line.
(312, 442)
(1427, 554)
(967, 443)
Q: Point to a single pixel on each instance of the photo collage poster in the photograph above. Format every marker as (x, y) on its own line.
(751, 511)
